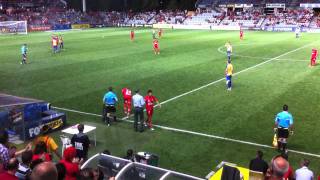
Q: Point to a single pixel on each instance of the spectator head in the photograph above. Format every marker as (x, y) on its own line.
(149, 92)
(279, 166)
(4, 137)
(45, 129)
(305, 162)
(137, 91)
(285, 107)
(259, 154)
(61, 171)
(69, 154)
(85, 174)
(36, 162)
(40, 148)
(107, 152)
(26, 157)
(45, 170)
(110, 88)
(13, 165)
(80, 128)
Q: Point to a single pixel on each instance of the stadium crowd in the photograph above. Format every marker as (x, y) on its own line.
(251, 17)
(38, 164)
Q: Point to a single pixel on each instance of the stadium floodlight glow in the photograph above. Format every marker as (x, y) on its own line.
(13, 27)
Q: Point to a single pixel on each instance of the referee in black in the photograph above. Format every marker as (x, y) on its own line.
(138, 104)
(283, 124)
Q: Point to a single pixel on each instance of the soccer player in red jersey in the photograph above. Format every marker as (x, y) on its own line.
(150, 100)
(160, 33)
(314, 56)
(241, 34)
(156, 46)
(127, 98)
(132, 35)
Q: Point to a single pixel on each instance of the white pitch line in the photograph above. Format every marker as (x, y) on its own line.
(204, 86)
(235, 74)
(198, 133)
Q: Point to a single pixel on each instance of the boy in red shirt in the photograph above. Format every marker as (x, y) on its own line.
(132, 35)
(156, 46)
(71, 163)
(314, 56)
(150, 100)
(127, 98)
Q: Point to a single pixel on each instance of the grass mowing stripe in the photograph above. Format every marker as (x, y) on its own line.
(197, 133)
(235, 74)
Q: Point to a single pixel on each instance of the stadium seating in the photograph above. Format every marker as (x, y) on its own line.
(206, 17)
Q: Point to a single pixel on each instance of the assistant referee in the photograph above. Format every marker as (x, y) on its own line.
(109, 106)
(283, 124)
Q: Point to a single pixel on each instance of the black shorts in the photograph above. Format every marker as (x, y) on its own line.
(110, 109)
(283, 132)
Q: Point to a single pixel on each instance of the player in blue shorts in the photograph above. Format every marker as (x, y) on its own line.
(229, 72)
(229, 50)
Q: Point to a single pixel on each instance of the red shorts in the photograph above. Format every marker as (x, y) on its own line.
(132, 36)
(127, 104)
(156, 47)
(149, 111)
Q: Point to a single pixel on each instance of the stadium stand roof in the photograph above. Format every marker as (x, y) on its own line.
(7, 100)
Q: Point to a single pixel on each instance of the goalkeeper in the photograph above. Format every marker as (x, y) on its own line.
(24, 50)
(283, 124)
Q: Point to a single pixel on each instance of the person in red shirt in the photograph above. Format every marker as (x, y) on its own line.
(71, 163)
(160, 33)
(40, 152)
(132, 35)
(241, 34)
(127, 98)
(150, 100)
(12, 168)
(314, 56)
(156, 46)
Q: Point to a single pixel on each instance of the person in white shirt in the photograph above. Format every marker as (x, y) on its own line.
(138, 104)
(304, 173)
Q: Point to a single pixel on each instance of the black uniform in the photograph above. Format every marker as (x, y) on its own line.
(81, 143)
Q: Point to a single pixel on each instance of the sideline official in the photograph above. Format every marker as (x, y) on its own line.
(283, 124)
(109, 106)
(138, 104)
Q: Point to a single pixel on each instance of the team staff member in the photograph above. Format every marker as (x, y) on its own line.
(81, 142)
(229, 72)
(138, 104)
(109, 100)
(283, 123)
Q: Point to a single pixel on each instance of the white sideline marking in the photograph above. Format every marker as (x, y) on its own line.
(204, 86)
(235, 74)
(197, 133)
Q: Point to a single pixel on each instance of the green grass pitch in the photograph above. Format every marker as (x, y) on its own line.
(95, 59)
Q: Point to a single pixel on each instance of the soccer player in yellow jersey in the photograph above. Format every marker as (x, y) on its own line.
(229, 72)
(229, 50)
